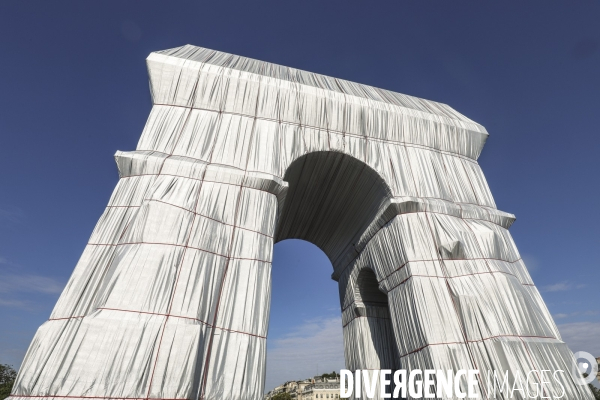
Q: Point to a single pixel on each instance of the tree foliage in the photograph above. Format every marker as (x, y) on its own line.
(332, 375)
(282, 396)
(595, 391)
(7, 379)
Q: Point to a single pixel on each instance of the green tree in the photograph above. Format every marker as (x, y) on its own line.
(332, 375)
(7, 379)
(595, 391)
(282, 396)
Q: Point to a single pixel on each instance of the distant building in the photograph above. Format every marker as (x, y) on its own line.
(291, 387)
(323, 389)
(309, 389)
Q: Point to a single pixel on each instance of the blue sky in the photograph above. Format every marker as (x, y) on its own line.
(74, 89)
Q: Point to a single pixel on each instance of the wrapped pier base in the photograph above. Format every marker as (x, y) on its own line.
(170, 299)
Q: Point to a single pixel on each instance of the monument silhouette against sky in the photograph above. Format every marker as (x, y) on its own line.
(170, 299)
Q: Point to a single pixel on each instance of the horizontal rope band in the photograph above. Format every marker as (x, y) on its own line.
(162, 315)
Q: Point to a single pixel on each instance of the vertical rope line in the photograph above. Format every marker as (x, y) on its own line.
(533, 364)
(192, 96)
(465, 222)
(442, 265)
(212, 332)
(228, 262)
(460, 322)
(189, 235)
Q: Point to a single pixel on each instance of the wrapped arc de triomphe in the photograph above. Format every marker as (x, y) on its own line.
(170, 299)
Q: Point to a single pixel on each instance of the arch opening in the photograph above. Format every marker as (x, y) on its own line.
(305, 336)
(331, 200)
(367, 290)
(370, 329)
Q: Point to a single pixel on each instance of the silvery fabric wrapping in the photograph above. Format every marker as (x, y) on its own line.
(170, 299)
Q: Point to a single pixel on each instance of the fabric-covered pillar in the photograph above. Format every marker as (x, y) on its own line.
(178, 278)
(368, 332)
(459, 292)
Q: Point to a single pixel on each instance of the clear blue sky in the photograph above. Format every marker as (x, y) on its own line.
(74, 89)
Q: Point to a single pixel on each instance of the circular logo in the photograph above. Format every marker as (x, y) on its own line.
(585, 363)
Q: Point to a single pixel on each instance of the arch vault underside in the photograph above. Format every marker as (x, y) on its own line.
(170, 299)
